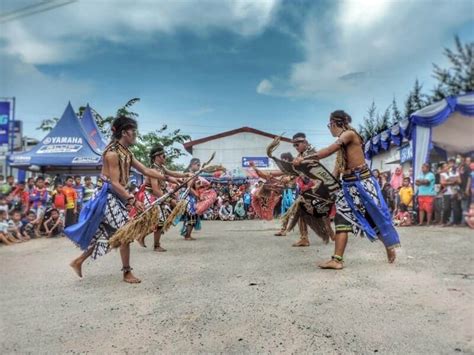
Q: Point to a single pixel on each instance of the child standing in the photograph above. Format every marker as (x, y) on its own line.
(406, 193)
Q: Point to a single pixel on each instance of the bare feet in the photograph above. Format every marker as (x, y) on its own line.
(301, 243)
(141, 241)
(77, 267)
(332, 264)
(189, 238)
(391, 255)
(130, 278)
(159, 249)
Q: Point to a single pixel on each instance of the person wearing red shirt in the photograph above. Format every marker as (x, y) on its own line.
(71, 201)
(59, 198)
(20, 197)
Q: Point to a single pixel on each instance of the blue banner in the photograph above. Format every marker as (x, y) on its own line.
(260, 162)
(4, 121)
(406, 153)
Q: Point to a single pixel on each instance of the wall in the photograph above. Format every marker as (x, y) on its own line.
(230, 150)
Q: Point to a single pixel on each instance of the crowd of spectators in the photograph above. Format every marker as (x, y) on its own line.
(40, 207)
(441, 195)
(234, 201)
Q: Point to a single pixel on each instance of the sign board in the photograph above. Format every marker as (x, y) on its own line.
(406, 153)
(54, 145)
(260, 162)
(4, 121)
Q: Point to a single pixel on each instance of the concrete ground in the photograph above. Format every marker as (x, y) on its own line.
(239, 289)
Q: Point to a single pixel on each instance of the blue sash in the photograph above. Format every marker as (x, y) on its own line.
(383, 227)
(91, 215)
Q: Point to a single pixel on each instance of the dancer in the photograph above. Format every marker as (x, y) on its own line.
(108, 209)
(153, 189)
(312, 206)
(360, 205)
(191, 219)
(266, 196)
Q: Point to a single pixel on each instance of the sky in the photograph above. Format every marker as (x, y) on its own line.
(213, 65)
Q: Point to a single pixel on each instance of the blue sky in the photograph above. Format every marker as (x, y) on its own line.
(210, 66)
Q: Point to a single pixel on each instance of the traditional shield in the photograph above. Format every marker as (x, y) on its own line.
(308, 167)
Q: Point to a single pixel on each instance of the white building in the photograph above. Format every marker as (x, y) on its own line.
(236, 148)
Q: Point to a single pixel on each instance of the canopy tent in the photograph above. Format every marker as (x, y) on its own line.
(66, 149)
(383, 141)
(448, 124)
(96, 140)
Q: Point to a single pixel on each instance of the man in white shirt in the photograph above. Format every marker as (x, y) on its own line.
(226, 212)
(450, 181)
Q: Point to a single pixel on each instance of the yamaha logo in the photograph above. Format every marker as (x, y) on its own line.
(62, 140)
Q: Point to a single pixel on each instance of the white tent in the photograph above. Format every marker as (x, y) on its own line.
(448, 124)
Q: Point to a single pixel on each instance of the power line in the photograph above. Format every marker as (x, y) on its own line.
(33, 9)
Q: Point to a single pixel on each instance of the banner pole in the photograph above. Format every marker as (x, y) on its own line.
(11, 133)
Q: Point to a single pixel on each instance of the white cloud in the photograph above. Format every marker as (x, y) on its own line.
(64, 33)
(265, 87)
(371, 49)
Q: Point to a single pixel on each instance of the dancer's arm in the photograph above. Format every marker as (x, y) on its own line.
(344, 139)
(147, 171)
(177, 174)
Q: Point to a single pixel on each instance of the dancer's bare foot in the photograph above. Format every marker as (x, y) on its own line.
(280, 234)
(129, 277)
(301, 243)
(141, 241)
(159, 249)
(391, 255)
(189, 238)
(332, 264)
(77, 267)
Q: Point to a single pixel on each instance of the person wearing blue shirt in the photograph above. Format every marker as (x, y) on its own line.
(80, 191)
(426, 193)
(247, 200)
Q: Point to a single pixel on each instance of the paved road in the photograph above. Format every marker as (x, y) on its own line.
(238, 289)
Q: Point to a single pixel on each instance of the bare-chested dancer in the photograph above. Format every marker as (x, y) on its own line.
(360, 205)
(112, 201)
(153, 189)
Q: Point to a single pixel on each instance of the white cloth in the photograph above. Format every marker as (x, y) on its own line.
(226, 212)
(450, 189)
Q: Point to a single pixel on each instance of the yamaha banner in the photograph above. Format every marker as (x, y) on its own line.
(4, 121)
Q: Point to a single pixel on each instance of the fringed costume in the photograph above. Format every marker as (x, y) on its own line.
(198, 204)
(146, 195)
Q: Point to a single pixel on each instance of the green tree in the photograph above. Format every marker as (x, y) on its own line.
(416, 99)
(168, 139)
(396, 114)
(383, 121)
(458, 77)
(48, 124)
(368, 126)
